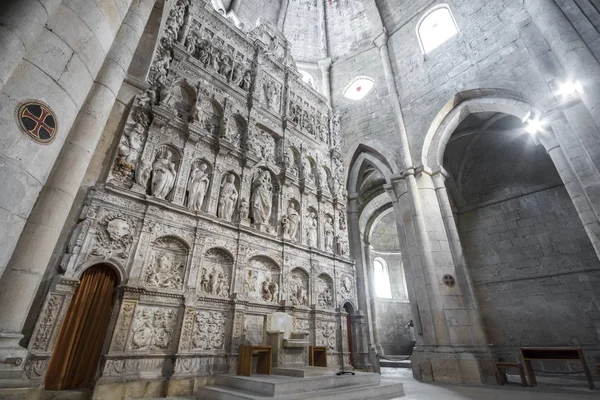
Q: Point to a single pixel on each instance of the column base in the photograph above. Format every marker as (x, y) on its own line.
(454, 364)
(12, 359)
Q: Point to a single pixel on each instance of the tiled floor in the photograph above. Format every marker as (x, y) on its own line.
(548, 389)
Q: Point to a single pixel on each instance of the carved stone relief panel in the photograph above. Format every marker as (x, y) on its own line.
(324, 291)
(209, 331)
(298, 282)
(114, 235)
(216, 272)
(262, 280)
(326, 335)
(153, 329)
(167, 263)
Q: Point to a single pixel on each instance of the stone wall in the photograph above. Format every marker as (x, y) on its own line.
(250, 11)
(394, 338)
(303, 29)
(535, 272)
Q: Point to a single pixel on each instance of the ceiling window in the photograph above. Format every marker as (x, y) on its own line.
(436, 27)
(358, 88)
(381, 278)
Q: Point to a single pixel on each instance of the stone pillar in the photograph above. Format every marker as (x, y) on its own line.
(460, 264)
(235, 6)
(21, 22)
(24, 273)
(61, 81)
(282, 13)
(570, 49)
(381, 43)
(325, 65)
(362, 281)
(372, 298)
(323, 27)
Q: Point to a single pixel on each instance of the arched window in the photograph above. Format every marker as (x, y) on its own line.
(436, 27)
(381, 279)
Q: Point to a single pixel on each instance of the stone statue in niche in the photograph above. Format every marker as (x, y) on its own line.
(190, 44)
(289, 162)
(148, 99)
(305, 120)
(225, 67)
(322, 178)
(311, 229)
(307, 171)
(271, 94)
(175, 20)
(216, 59)
(270, 290)
(214, 282)
(246, 80)
(262, 198)
(328, 230)
(292, 111)
(236, 74)
(167, 273)
(342, 245)
(228, 198)
(142, 174)
(342, 220)
(244, 209)
(129, 150)
(162, 62)
(153, 329)
(163, 175)
(290, 222)
(198, 186)
(204, 51)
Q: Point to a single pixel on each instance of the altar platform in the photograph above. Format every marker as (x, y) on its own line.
(305, 383)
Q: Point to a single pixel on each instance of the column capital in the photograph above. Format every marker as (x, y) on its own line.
(325, 64)
(381, 39)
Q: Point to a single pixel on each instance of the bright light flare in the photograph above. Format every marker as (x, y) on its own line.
(569, 88)
(533, 123)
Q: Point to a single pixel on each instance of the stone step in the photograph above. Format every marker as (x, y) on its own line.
(305, 371)
(382, 391)
(82, 394)
(395, 363)
(277, 385)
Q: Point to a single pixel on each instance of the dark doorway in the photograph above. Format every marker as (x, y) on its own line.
(79, 344)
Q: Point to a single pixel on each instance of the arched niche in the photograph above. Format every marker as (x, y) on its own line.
(229, 193)
(262, 280)
(166, 263)
(165, 167)
(236, 130)
(299, 287)
(311, 227)
(264, 198)
(328, 233)
(179, 97)
(291, 160)
(199, 185)
(215, 272)
(324, 291)
(211, 116)
(309, 170)
(291, 221)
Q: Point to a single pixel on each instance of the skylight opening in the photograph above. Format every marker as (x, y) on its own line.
(359, 88)
(381, 279)
(308, 78)
(435, 28)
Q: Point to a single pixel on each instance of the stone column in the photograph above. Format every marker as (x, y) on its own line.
(235, 6)
(460, 264)
(323, 27)
(381, 43)
(356, 247)
(570, 49)
(21, 22)
(325, 65)
(24, 273)
(372, 298)
(282, 13)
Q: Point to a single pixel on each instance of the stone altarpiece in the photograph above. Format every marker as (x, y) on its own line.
(224, 203)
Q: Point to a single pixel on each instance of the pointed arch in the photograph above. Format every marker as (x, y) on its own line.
(365, 154)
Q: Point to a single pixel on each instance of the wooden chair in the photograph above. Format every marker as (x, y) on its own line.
(501, 375)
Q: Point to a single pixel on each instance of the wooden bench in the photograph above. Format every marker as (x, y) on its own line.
(530, 354)
(317, 356)
(263, 364)
(501, 375)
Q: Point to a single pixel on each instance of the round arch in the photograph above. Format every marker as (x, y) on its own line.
(118, 268)
(458, 108)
